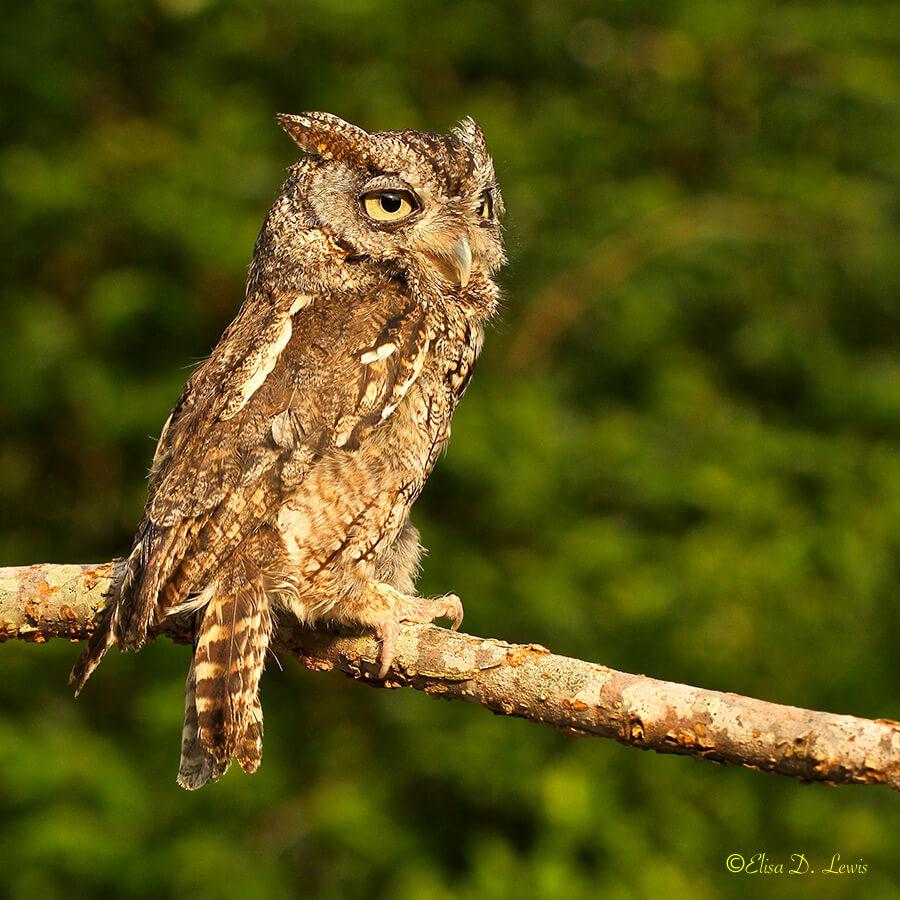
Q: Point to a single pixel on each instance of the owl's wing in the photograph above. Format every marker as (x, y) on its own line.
(290, 380)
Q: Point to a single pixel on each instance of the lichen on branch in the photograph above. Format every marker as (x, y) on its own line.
(41, 602)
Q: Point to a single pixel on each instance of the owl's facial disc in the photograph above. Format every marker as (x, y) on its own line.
(390, 204)
(410, 218)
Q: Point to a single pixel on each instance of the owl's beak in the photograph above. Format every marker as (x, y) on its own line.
(461, 257)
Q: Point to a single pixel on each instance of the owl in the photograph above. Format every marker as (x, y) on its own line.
(283, 479)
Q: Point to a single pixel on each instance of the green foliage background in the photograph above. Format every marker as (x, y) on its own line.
(680, 454)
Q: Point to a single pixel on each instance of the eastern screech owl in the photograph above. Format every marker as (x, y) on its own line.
(283, 478)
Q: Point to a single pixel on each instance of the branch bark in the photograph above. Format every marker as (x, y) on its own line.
(41, 602)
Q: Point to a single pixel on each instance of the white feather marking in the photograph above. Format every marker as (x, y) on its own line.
(400, 392)
(295, 527)
(378, 353)
(192, 604)
(163, 433)
(371, 392)
(262, 365)
(298, 304)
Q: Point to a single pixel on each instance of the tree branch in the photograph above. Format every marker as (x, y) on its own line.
(60, 601)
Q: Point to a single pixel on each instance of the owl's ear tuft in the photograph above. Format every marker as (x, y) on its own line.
(469, 132)
(328, 136)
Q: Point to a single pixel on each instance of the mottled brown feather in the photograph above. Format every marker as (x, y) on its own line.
(284, 476)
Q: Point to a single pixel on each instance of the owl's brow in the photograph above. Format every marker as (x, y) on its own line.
(452, 150)
(442, 156)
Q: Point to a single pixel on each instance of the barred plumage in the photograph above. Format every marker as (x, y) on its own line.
(223, 717)
(284, 476)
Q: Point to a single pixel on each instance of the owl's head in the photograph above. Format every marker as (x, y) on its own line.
(420, 202)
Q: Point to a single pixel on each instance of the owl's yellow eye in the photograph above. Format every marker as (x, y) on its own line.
(388, 206)
(486, 210)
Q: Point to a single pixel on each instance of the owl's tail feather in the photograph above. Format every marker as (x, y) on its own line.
(249, 749)
(223, 716)
(98, 643)
(230, 524)
(117, 621)
(149, 566)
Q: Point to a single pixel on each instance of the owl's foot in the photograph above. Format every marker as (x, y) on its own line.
(387, 608)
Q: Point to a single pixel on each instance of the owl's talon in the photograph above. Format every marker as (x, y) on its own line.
(388, 635)
(422, 611)
(417, 610)
(453, 610)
